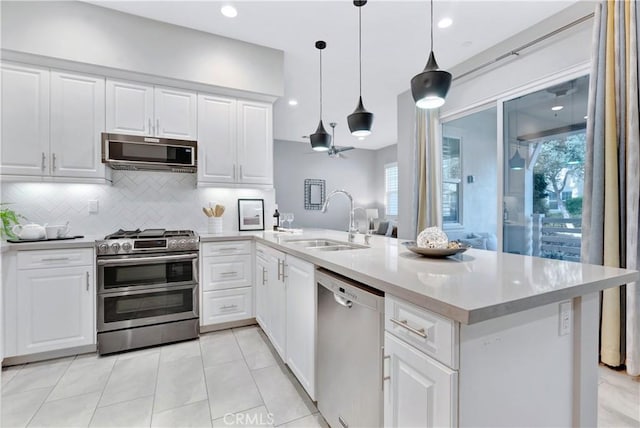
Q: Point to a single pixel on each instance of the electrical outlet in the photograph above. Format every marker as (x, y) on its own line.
(93, 206)
(564, 327)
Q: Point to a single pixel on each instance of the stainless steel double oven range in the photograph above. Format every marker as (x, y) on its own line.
(147, 288)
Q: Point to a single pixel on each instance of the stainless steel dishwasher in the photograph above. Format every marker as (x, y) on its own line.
(350, 340)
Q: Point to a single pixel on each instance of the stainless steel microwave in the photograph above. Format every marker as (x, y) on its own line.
(137, 152)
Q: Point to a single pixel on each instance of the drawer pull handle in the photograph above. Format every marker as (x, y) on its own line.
(225, 307)
(405, 324)
(87, 281)
(228, 273)
(264, 276)
(55, 259)
(228, 249)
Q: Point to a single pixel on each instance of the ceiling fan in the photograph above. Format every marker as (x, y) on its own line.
(334, 151)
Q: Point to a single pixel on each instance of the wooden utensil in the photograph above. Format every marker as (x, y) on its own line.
(218, 210)
(207, 211)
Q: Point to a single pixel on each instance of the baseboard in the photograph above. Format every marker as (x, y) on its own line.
(49, 355)
(227, 325)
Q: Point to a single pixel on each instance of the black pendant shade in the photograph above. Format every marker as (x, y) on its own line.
(320, 140)
(516, 162)
(430, 87)
(360, 121)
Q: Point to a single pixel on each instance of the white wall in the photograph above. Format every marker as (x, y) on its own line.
(84, 33)
(384, 156)
(137, 199)
(294, 162)
(406, 166)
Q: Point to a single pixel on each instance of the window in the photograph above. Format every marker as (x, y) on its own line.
(391, 189)
(451, 181)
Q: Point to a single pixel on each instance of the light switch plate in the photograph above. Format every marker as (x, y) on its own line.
(93, 206)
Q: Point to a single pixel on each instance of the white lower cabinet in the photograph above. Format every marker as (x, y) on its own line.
(286, 310)
(419, 391)
(301, 321)
(55, 302)
(226, 281)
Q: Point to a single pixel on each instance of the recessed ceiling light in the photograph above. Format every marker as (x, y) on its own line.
(229, 11)
(293, 102)
(445, 22)
(557, 108)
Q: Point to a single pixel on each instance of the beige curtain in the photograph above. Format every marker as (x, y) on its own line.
(429, 149)
(611, 217)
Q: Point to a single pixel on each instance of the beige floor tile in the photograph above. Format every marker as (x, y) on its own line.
(179, 351)
(8, 373)
(219, 348)
(255, 348)
(312, 421)
(283, 396)
(19, 408)
(84, 375)
(231, 389)
(134, 413)
(68, 412)
(192, 415)
(131, 378)
(180, 382)
(38, 375)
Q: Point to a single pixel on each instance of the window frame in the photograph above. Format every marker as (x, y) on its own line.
(458, 222)
(386, 192)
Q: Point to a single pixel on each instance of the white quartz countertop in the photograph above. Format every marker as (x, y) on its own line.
(472, 287)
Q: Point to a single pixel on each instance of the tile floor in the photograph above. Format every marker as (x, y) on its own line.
(228, 378)
(234, 373)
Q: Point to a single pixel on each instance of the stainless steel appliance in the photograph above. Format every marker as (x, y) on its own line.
(350, 340)
(147, 288)
(136, 152)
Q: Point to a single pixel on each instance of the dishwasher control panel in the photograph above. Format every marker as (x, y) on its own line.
(351, 290)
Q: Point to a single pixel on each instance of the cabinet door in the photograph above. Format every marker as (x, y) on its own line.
(262, 303)
(55, 309)
(301, 321)
(277, 305)
(216, 139)
(25, 120)
(255, 143)
(175, 112)
(129, 108)
(420, 391)
(77, 119)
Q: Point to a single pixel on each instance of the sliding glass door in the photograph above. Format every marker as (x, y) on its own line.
(544, 148)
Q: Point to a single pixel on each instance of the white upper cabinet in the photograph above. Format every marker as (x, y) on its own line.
(235, 141)
(175, 113)
(51, 123)
(138, 109)
(25, 120)
(255, 142)
(129, 108)
(77, 119)
(216, 139)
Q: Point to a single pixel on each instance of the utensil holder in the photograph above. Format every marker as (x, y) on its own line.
(214, 225)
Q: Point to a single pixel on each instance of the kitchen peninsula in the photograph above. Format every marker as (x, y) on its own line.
(488, 338)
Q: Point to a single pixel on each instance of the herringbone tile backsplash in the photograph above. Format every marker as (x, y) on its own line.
(136, 199)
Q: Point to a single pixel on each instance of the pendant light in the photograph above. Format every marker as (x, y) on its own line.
(360, 120)
(430, 87)
(516, 162)
(320, 140)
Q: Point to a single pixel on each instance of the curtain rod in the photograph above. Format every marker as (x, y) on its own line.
(517, 51)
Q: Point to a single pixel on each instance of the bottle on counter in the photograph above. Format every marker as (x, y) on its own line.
(276, 219)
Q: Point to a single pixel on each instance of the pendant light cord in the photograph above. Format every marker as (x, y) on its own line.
(431, 25)
(360, 46)
(320, 84)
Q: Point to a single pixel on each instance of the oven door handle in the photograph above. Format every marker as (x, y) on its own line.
(138, 260)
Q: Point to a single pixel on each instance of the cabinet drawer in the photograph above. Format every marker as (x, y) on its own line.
(431, 333)
(262, 252)
(226, 305)
(55, 258)
(226, 248)
(219, 273)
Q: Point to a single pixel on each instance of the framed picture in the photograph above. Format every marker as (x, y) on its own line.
(251, 214)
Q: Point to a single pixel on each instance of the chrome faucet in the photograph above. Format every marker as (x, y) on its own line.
(352, 226)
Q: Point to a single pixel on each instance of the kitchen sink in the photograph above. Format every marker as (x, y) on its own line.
(326, 244)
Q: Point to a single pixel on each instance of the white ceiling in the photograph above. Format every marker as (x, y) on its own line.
(395, 47)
